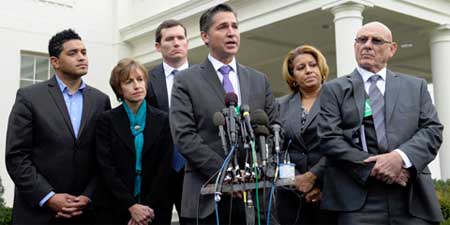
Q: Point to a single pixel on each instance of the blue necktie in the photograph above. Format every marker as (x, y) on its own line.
(178, 161)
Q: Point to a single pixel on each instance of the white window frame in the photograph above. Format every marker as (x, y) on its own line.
(35, 56)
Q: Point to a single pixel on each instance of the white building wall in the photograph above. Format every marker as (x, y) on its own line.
(28, 25)
(142, 9)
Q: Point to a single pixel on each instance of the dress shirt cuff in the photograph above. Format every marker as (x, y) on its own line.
(406, 162)
(46, 198)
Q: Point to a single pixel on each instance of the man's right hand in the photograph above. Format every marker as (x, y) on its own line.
(60, 203)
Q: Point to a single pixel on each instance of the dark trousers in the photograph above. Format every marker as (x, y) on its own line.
(86, 218)
(385, 204)
(293, 209)
(176, 191)
(122, 216)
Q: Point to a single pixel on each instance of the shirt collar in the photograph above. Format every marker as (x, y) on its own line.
(367, 74)
(217, 64)
(168, 69)
(63, 87)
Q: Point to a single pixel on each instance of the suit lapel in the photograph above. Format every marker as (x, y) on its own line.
(391, 94)
(87, 104)
(295, 111)
(244, 83)
(358, 92)
(209, 74)
(55, 93)
(153, 127)
(313, 112)
(122, 126)
(161, 88)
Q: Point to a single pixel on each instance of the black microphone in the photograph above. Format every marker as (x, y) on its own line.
(260, 118)
(260, 121)
(219, 121)
(245, 110)
(276, 133)
(262, 132)
(231, 101)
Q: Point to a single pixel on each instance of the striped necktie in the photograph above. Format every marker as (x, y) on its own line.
(377, 106)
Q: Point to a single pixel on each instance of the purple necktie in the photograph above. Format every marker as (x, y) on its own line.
(225, 71)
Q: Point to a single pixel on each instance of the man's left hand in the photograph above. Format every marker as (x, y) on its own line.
(313, 196)
(387, 166)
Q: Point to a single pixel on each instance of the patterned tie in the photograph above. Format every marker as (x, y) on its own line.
(178, 161)
(377, 106)
(225, 71)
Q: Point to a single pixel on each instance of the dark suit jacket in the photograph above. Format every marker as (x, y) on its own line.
(304, 149)
(42, 153)
(196, 95)
(157, 88)
(412, 125)
(116, 156)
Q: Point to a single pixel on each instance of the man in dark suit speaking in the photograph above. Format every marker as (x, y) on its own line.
(198, 92)
(171, 41)
(50, 143)
(379, 131)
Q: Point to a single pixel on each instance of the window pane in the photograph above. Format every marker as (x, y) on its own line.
(26, 67)
(41, 68)
(24, 83)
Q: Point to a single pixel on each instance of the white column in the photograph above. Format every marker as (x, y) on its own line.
(440, 68)
(347, 21)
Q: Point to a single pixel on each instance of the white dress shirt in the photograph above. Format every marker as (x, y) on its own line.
(169, 76)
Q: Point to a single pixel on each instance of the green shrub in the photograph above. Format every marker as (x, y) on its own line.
(5, 216)
(443, 193)
(5, 212)
(2, 190)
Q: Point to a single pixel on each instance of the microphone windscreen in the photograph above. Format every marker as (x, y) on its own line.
(218, 119)
(261, 131)
(259, 117)
(231, 99)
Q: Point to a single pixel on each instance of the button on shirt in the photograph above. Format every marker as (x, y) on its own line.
(170, 77)
(381, 84)
(232, 75)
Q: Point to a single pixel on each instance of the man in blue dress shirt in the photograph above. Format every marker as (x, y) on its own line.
(50, 152)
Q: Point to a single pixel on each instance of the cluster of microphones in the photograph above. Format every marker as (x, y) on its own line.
(252, 146)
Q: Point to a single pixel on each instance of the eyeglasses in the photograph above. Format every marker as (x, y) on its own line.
(375, 41)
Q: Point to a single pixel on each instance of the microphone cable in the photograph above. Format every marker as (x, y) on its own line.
(272, 190)
(218, 185)
(256, 182)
